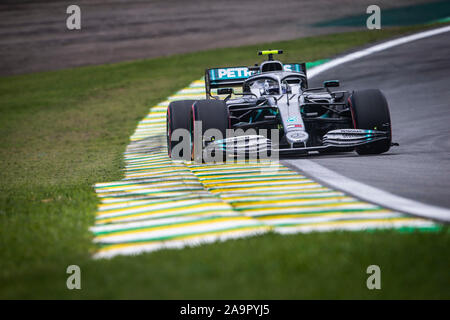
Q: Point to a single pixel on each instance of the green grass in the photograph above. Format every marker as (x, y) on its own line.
(60, 132)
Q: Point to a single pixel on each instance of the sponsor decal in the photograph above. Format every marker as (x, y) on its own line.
(356, 132)
(292, 119)
(292, 67)
(230, 73)
(235, 73)
(297, 136)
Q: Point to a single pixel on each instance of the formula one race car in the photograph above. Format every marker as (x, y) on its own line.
(276, 97)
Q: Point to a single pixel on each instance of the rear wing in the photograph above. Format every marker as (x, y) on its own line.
(236, 76)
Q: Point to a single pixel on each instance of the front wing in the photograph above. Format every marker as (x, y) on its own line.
(333, 141)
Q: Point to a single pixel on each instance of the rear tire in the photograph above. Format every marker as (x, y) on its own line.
(370, 111)
(213, 114)
(178, 117)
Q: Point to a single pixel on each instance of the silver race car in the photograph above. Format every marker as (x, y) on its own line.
(274, 110)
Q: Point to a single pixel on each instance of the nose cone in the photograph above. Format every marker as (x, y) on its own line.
(297, 136)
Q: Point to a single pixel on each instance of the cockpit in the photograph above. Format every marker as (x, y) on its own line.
(262, 86)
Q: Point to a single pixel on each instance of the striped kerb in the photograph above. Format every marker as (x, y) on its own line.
(161, 203)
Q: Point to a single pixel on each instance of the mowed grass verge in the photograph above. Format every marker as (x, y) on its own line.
(63, 131)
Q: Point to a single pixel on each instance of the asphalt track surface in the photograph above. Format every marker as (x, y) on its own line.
(33, 34)
(415, 80)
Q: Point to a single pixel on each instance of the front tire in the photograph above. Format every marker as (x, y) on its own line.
(178, 117)
(370, 111)
(212, 114)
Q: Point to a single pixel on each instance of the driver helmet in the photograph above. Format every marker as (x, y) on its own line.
(271, 87)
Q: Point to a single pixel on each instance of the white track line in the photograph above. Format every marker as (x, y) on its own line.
(358, 189)
(368, 193)
(376, 48)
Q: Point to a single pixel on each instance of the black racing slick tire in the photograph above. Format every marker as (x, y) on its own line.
(370, 110)
(212, 114)
(178, 117)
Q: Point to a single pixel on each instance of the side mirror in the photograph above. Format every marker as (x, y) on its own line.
(225, 91)
(331, 83)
